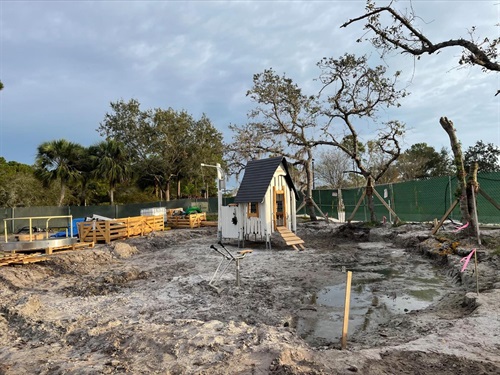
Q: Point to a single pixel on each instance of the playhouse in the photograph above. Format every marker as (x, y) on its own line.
(264, 204)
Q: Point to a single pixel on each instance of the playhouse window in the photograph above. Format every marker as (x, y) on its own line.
(253, 209)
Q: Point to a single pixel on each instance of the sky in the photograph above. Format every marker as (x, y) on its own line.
(63, 62)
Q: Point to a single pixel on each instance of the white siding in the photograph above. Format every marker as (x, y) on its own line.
(262, 227)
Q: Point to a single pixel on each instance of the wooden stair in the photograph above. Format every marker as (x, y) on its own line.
(290, 238)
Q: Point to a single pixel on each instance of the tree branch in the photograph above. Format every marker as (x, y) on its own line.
(416, 43)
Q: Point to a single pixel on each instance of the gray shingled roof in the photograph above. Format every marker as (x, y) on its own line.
(257, 177)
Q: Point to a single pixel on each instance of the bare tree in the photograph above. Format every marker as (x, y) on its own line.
(331, 168)
(353, 93)
(289, 123)
(465, 195)
(283, 124)
(400, 32)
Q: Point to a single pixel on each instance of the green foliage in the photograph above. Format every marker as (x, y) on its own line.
(163, 145)
(19, 187)
(110, 163)
(58, 161)
(133, 194)
(486, 155)
(423, 161)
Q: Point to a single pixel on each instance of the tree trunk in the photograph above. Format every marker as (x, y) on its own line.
(369, 197)
(167, 191)
(157, 186)
(63, 193)
(111, 196)
(310, 209)
(471, 199)
(463, 196)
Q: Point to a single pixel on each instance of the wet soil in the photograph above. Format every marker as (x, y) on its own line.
(146, 306)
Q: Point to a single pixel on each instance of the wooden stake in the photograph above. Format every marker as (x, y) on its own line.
(396, 218)
(346, 309)
(474, 212)
(448, 212)
(489, 199)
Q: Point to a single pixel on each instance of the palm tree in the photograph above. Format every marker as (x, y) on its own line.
(58, 161)
(111, 164)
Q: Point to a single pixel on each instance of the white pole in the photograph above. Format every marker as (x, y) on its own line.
(220, 179)
(219, 202)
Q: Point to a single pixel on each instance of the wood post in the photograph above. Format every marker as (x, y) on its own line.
(357, 206)
(448, 212)
(489, 199)
(396, 218)
(347, 306)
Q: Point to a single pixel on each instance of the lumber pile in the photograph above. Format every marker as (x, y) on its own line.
(8, 258)
(176, 220)
(75, 246)
(111, 230)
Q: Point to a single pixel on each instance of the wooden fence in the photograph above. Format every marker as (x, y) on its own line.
(110, 230)
(177, 220)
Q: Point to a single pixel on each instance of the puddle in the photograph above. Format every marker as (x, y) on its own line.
(377, 293)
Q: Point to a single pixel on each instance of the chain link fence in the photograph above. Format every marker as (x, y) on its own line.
(413, 201)
(39, 214)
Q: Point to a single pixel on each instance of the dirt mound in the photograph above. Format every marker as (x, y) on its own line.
(145, 305)
(405, 362)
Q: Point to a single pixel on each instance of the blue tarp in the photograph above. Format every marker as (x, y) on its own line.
(74, 223)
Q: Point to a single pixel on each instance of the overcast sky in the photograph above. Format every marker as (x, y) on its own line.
(63, 62)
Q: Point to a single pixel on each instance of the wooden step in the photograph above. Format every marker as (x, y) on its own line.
(295, 242)
(290, 238)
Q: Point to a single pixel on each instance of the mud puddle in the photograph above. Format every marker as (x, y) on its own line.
(385, 282)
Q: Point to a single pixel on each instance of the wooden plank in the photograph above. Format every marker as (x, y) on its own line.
(205, 223)
(21, 259)
(243, 252)
(295, 242)
(73, 247)
(28, 260)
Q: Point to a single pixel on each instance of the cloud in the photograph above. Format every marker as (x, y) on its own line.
(63, 62)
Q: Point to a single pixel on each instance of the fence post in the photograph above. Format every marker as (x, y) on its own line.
(12, 221)
(451, 197)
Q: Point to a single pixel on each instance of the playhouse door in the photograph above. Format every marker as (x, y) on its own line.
(279, 208)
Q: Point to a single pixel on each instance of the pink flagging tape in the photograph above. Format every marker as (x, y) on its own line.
(458, 229)
(466, 260)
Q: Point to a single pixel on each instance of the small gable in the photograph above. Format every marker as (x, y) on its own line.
(258, 176)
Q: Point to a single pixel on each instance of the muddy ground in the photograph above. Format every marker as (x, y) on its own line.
(145, 306)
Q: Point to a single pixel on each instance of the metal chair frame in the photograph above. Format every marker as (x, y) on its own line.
(225, 262)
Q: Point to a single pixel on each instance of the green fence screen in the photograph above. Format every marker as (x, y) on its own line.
(413, 201)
